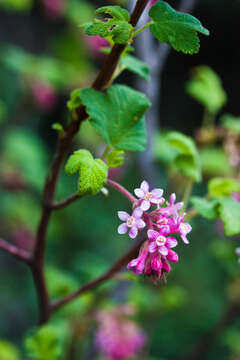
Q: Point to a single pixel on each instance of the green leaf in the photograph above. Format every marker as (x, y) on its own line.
(17, 5)
(187, 158)
(116, 26)
(115, 158)
(162, 149)
(136, 66)
(214, 161)
(207, 209)
(75, 100)
(60, 283)
(93, 173)
(44, 344)
(231, 123)
(222, 187)
(57, 127)
(118, 116)
(205, 86)
(176, 28)
(229, 211)
(8, 351)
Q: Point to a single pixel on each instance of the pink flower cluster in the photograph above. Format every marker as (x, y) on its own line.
(163, 221)
(117, 337)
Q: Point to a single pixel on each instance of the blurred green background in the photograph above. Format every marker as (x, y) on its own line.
(43, 56)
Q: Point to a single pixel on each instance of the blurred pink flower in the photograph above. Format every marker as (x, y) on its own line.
(95, 43)
(117, 337)
(24, 238)
(54, 8)
(44, 95)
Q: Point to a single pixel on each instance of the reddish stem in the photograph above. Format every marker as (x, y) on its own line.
(122, 190)
(117, 266)
(20, 254)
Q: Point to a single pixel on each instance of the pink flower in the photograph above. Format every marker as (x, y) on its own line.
(96, 43)
(171, 208)
(160, 243)
(133, 222)
(44, 94)
(163, 221)
(184, 229)
(151, 262)
(117, 337)
(54, 8)
(148, 198)
(236, 196)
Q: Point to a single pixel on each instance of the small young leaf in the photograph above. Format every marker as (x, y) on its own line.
(231, 123)
(115, 158)
(44, 344)
(176, 28)
(205, 86)
(222, 187)
(93, 173)
(118, 116)
(75, 100)
(187, 159)
(136, 66)
(117, 26)
(207, 209)
(229, 211)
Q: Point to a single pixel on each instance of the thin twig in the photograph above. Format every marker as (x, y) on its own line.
(61, 204)
(18, 253)
(117, 266)
(122, 190)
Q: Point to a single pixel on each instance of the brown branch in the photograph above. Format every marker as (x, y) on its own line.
(117, 266)
(65, 202)
(18, 253)
(102, 80)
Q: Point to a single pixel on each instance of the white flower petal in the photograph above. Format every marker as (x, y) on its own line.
(163, 250)
(139, 193)
(123, 228)
(152, 247)
(144, 186)
(157, 193)
(137, 213)
(140, 224)
(133, 232)
(145, 205)
(152, 234)
(171, 242)
(123, 215)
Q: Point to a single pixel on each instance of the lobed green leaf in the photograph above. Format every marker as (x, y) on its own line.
(187, 157)
(207, 209)
(93, 172)
(117, 26)
(118, 116)
(176, 28)
(205, 86)
(136, 66)
(229, 211)
(222, 187)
